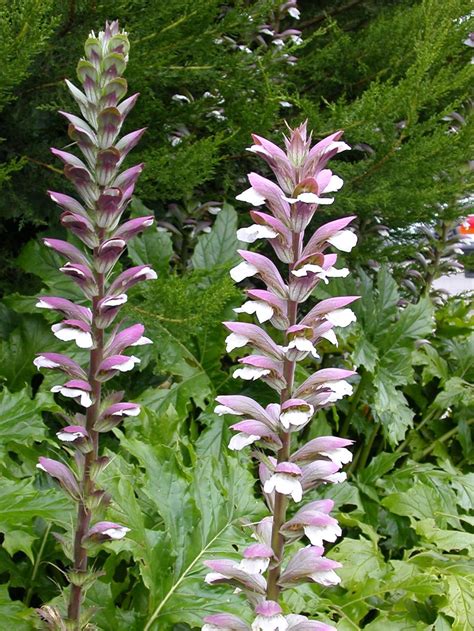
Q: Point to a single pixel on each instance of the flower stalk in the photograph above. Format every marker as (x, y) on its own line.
(286, 476)
(95, 221)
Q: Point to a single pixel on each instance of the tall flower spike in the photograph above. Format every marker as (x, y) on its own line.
(105, 193)
(303, 183)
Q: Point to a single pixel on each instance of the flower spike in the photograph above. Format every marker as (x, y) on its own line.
(288, 473)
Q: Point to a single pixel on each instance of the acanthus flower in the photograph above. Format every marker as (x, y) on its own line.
(287, 475)
(105, 193)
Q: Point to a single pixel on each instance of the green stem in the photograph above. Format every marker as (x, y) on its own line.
(36, 565)
(442, 439)
(362, 460)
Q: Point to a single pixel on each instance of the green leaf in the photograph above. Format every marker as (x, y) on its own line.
(420, 501)
(20, 419)
(365, 353)
(391, 409)
(19, 541)
(21, 502)
(31, 336)
(447, 540)
(378, 466)
(460, 602)
(154, 248)
(219, 246)
(13, 613)
(361, 560)
(456, 392)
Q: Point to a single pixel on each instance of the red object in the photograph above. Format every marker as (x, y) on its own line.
(467, 226)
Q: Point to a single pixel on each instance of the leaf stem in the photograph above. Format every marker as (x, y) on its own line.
(441, 439)
(36, 565)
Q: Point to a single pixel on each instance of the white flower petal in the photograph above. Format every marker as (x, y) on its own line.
(242, 270)
(250, 373)
(117, 532)
(339, 455)
(297, 418)
(326, 578)
(254, 566)
(251, 196)
(334, 184)
(43, 362)
(142, 341)
(333, 272)
(260, 308)
(69, 437)
(304, 345)
(318, 534)
(126, 366)
(234, 340)
(309, 267)
(341, 317)
(241, 440)
(254, 232)
(343, 240)
(330, 336)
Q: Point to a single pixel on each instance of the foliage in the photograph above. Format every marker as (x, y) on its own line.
(404, 106)
(407, 508)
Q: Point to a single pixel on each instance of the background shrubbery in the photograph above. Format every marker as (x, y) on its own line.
(396, 76)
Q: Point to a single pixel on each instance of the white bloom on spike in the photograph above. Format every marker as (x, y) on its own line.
(257, 565)
(241, 440)
(254, 232)
(334, 184)
(339, 389)
(318, 534)
(67, 333)
(234, 340)
(330, 336)
(69, 437)
(341, 317)
(220, 410)
(251, 196)
(250, 373)
(115, 301)
(339, 455)
(326, 577)
(180, 98)
(309, 198)
(43, 362)
(337, 478)
(333, 272)
(126, 366)
(294, 12)
(116, 532)
(213, 576)
(303, 345)
(242, 270)
(142, 341)
(270, 623)
(295, 417)
(337, 144)
(74, 393)
(309, 267)
(286, 484)
(343, 240)
(260, 308)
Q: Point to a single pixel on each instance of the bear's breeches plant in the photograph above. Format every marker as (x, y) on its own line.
(105, 191)
(267, 567)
